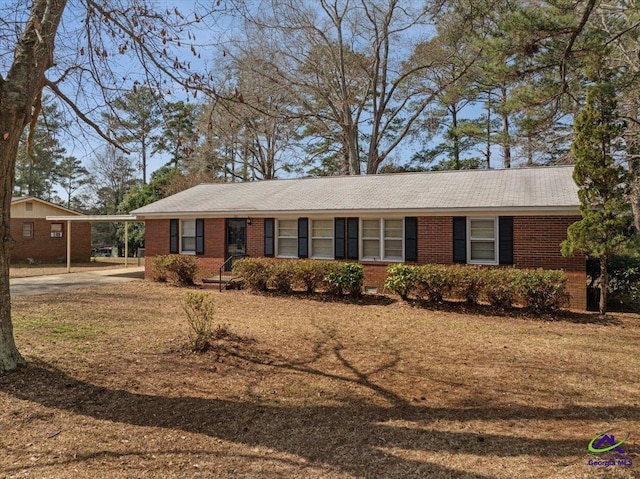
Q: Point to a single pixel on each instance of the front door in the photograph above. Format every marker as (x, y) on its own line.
(236, 240)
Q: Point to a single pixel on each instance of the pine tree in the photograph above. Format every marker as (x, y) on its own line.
(602, 180)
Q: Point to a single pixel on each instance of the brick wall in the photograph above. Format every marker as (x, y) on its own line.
(255, 237)
(435, 239)
(45, 249)
(537, 240)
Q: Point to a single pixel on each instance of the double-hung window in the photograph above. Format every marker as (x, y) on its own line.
(287, 238)
(483, 234)
(383, 239)
(188, 237)
(27, 230)
(322, 239)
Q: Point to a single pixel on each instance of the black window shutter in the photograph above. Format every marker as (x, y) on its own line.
(174, 243)
(505, 240)
(269, 232)
(303, 237)
(411, 238)
(459, 239)
(352, 238)
(338, 238)
(199, 236)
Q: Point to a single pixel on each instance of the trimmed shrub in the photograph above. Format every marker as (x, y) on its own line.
(282, 275)
(309, 274)
(401, 280)
(159, 269)
(254, 271)
(432, 282)
(199, 308)
(542, 290)
(500, 288)
(181, 269)
(332, 282)
(466, 282)
(346, 278)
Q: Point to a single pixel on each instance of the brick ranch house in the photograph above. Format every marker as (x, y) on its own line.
(42, 240)
(511, 217)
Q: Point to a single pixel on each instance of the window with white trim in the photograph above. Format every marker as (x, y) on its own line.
(382, 238)
(371, 239)
(322, 239)
(188, 236)
(483, 244)
(27, 230)
(287, 238)
(393, 239)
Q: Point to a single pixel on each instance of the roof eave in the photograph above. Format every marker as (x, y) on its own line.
(558, 210)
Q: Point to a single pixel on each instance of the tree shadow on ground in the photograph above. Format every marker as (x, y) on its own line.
(353, 438)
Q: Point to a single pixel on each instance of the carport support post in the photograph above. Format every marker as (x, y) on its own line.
(68, 246)
(126, 242)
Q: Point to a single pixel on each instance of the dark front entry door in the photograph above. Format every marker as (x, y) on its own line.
(236, 240)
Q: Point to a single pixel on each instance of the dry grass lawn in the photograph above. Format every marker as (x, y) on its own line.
(305, 388)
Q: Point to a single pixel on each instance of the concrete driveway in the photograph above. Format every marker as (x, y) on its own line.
(56, 283)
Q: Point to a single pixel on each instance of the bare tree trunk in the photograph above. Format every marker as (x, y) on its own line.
(455, 136)
(506, 140)
(9, 356)
(488, 131)
(32, 57)
(635, 196)
(604, 285)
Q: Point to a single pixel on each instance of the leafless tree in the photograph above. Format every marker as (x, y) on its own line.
(85, 52)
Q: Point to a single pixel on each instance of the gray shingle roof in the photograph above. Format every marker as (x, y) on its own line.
(447, 191)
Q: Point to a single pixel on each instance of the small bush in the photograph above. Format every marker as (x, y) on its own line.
(310, 274)
(199, 309)
(181, 269)
(332, 281)
(254, 271)
(432, 282)
(282, 276)
(542, 290)
(401, 280)
(466, 282)
(499, 288)
(346, 278)
(159, 269)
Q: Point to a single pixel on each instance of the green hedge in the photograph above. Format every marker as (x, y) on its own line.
(539, 290)
(262, 274)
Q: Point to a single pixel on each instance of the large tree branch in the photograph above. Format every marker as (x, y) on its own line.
(572, 40)
(54, 88)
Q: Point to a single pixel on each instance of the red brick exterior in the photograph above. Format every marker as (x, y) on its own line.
(435, 239)
(536, 244)
(42, 248)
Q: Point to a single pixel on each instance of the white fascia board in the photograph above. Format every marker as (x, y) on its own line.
(93, 218)
(569, 210)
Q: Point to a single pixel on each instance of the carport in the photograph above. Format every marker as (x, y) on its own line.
(126, 219)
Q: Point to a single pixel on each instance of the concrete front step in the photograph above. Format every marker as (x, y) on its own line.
(225, 278)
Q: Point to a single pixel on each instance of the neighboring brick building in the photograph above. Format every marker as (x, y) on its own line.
(43, 241)
(516, 217)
